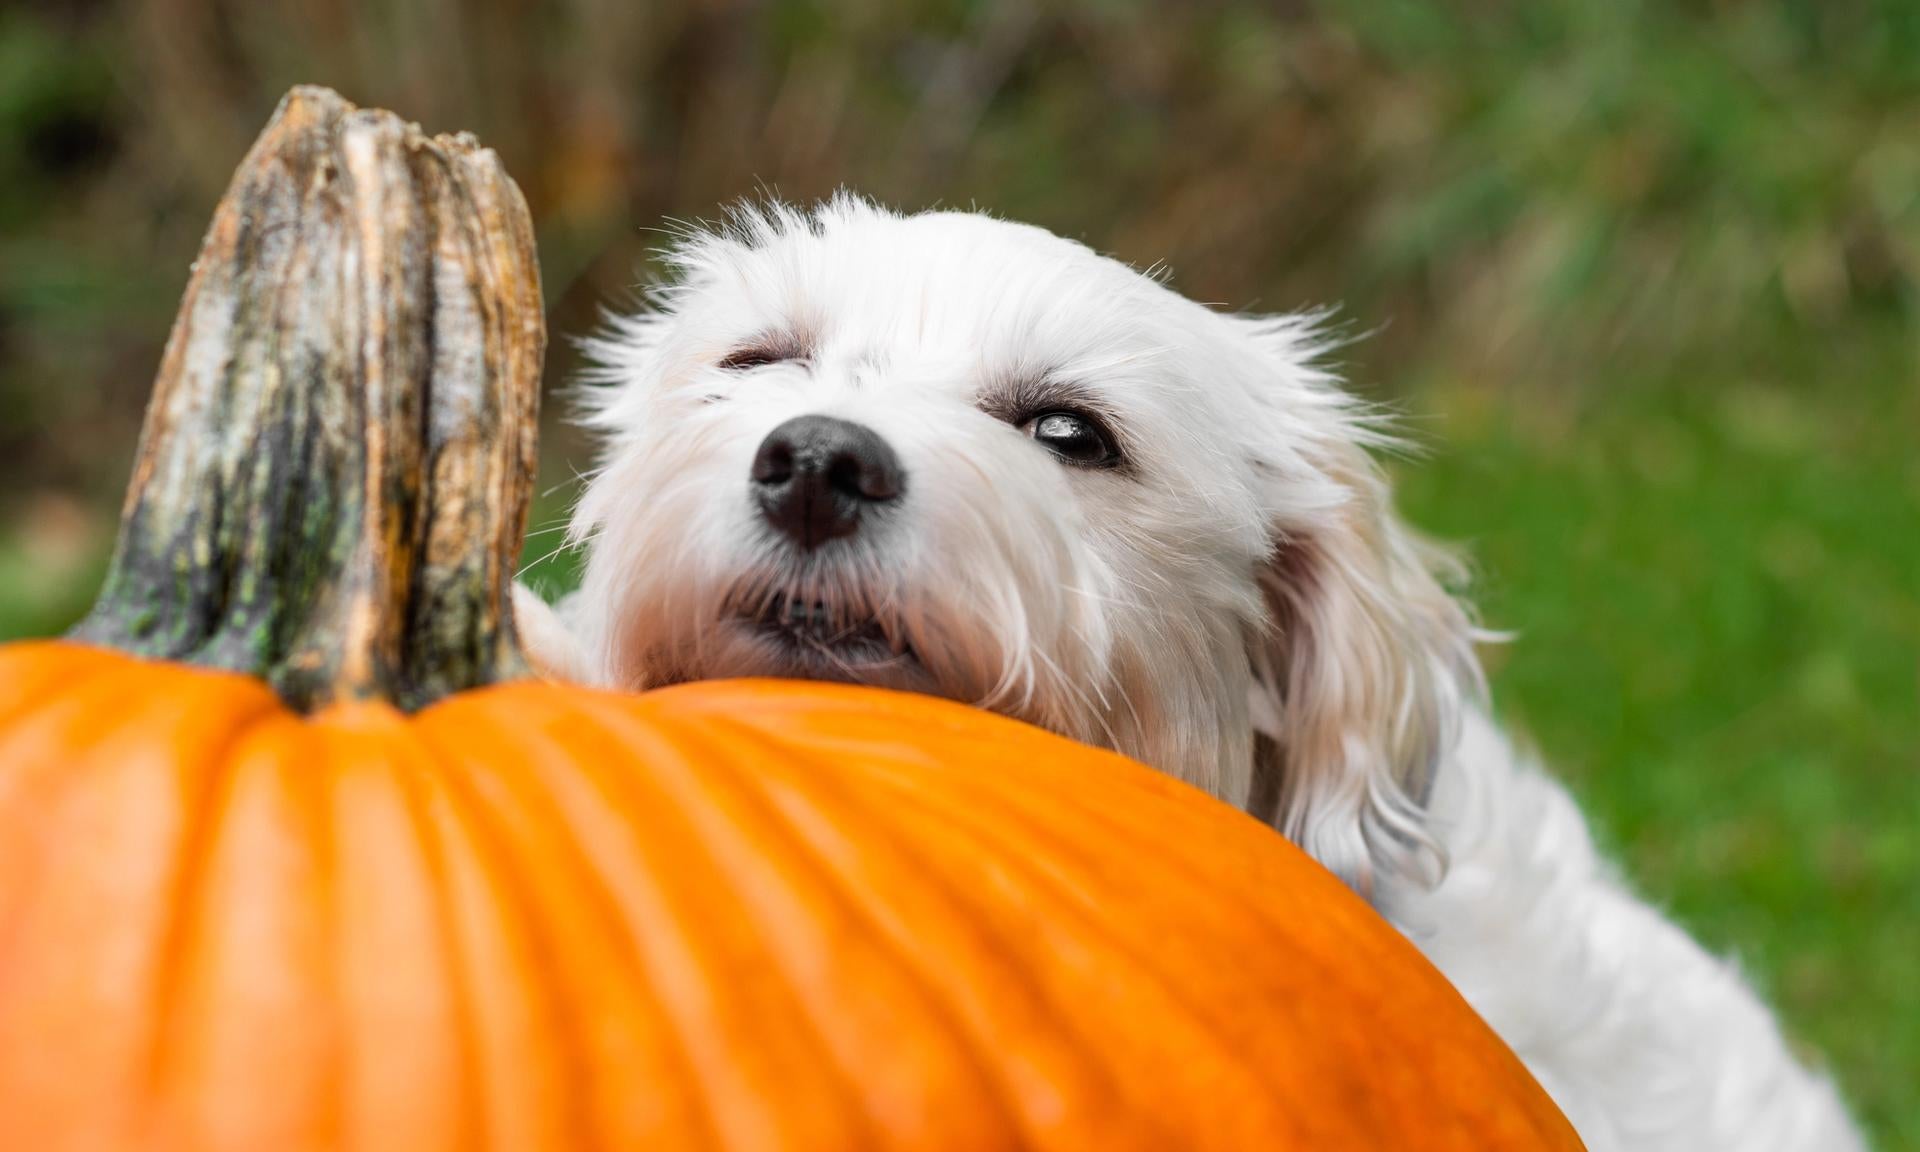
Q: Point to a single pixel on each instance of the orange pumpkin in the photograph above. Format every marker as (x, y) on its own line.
(343, 890)
(731, 915)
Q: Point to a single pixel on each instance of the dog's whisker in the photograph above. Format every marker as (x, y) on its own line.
(1078, 695)
(536, 562)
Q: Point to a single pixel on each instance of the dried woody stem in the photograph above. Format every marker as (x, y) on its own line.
(333, 477)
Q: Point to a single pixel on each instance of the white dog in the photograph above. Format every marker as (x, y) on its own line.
(947, 453)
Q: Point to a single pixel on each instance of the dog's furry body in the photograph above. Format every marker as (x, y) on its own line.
(1198, 566)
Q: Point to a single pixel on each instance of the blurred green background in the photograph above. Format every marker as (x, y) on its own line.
(1644, 277)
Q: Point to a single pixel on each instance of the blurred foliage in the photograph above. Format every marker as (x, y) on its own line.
(1643, 274)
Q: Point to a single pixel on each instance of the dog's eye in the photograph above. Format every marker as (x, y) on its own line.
(1074, 438)
(742, 359)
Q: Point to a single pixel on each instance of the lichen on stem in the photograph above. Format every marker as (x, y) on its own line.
(333, 477)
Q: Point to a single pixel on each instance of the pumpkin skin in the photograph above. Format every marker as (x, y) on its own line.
(734, 915)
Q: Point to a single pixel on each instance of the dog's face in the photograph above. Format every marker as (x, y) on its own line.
(955, 455)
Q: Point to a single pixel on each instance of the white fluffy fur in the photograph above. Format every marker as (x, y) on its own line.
(1238, 606)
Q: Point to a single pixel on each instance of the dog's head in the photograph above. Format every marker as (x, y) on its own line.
(956, 455)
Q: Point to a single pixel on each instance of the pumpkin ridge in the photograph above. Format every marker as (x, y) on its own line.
(1331, 900)
(713, 833)
(204, 810)
(416, 771)
(42, 780)
(1135, 778)
(73, 782)
(50, 723)
(316, 790)
(1360, 995)
(779, 799)
(491, 821)
(816, 699)
(986, 927)
(483, 816)
(384, 880)
(1091, 933)
(1015, 809)
(772, 825)
(1018, 796)
(609, 725)
(1206, 822)
(47, 665)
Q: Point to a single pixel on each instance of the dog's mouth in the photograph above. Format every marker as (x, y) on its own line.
(814, 631)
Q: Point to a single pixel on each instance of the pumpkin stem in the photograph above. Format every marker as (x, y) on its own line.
(332, 481)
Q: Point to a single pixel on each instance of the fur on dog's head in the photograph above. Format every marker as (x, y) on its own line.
(1106, 509)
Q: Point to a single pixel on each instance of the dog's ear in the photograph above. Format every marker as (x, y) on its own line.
(1364, 661)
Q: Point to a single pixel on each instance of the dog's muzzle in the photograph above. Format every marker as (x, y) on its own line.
(816, 477)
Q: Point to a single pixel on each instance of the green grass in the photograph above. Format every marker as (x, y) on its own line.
(39, 595)
(1717, 595)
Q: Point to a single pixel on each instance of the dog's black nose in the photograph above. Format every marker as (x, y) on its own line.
(814, 477)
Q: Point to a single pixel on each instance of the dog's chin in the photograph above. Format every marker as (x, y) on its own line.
(793, 647)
